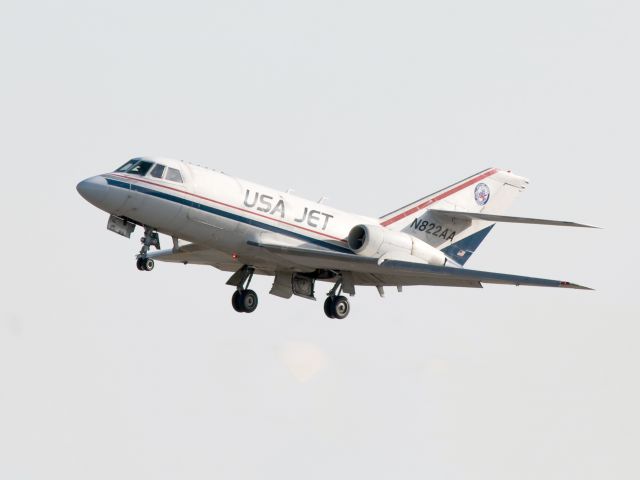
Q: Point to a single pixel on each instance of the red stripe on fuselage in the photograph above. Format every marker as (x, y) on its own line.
(227, 205)
(437, 198)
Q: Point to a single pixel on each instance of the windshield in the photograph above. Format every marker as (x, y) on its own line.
(127, 166)
(136, 167)
(140, 168)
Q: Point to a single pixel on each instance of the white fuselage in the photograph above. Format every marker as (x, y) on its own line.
(223, 212)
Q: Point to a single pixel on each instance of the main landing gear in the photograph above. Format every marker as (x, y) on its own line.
(243, 299)
(150, 239)
(336, 305)
(246, 301)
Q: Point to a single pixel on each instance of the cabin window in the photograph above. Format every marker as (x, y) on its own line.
(157, 171)
(141, 168)
(173, 175)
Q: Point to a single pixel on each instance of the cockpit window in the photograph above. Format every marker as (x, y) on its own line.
(173, 175)
(127, 166)
(141, 168)
(157, 171)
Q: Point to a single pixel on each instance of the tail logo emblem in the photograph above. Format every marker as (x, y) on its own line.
(482, 194)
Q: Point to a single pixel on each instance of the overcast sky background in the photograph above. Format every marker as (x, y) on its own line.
(109, 373)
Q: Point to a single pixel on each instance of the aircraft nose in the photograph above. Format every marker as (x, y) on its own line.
(93, 190)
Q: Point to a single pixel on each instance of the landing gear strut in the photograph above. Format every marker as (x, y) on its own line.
(150, 239)
(336, 305)
(243, 299)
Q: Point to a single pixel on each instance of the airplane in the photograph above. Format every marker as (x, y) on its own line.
(245, 228)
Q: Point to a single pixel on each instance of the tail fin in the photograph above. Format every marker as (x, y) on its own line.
(491, 191)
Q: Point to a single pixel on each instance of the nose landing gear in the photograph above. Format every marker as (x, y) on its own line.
(150, 239)
(145, 264)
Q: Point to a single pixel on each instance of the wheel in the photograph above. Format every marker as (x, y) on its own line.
(248, 301)
(328, 307)
(148, 264)
(139, 263)
(341, 307)
(235, 301)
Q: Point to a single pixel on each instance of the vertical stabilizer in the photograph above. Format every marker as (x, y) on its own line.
(491, 191)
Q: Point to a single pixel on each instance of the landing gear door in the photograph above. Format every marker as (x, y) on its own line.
(120, 226)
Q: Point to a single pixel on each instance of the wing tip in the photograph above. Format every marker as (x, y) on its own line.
(574, 286)
(586, 225)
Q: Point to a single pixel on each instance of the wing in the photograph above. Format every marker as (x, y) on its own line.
(452, 215)
(195, 254)
(399, 272)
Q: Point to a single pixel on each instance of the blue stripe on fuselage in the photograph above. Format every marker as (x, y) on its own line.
(223, 213)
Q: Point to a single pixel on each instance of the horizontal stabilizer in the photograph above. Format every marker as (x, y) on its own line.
(452, 215)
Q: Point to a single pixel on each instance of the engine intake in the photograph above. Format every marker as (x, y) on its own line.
(376, 241)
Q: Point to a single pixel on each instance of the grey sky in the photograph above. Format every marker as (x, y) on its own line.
(108, 373)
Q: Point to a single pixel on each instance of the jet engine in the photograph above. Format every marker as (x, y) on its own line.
(376, 241)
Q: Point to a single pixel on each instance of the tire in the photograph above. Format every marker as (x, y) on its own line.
(148, 264)
(328, 307)
(249, 301)
(235, 301)
(139, 264)
(341, 307)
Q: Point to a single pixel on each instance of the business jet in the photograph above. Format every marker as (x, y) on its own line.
(241, 227)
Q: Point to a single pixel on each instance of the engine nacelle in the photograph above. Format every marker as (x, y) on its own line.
(376, 241)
